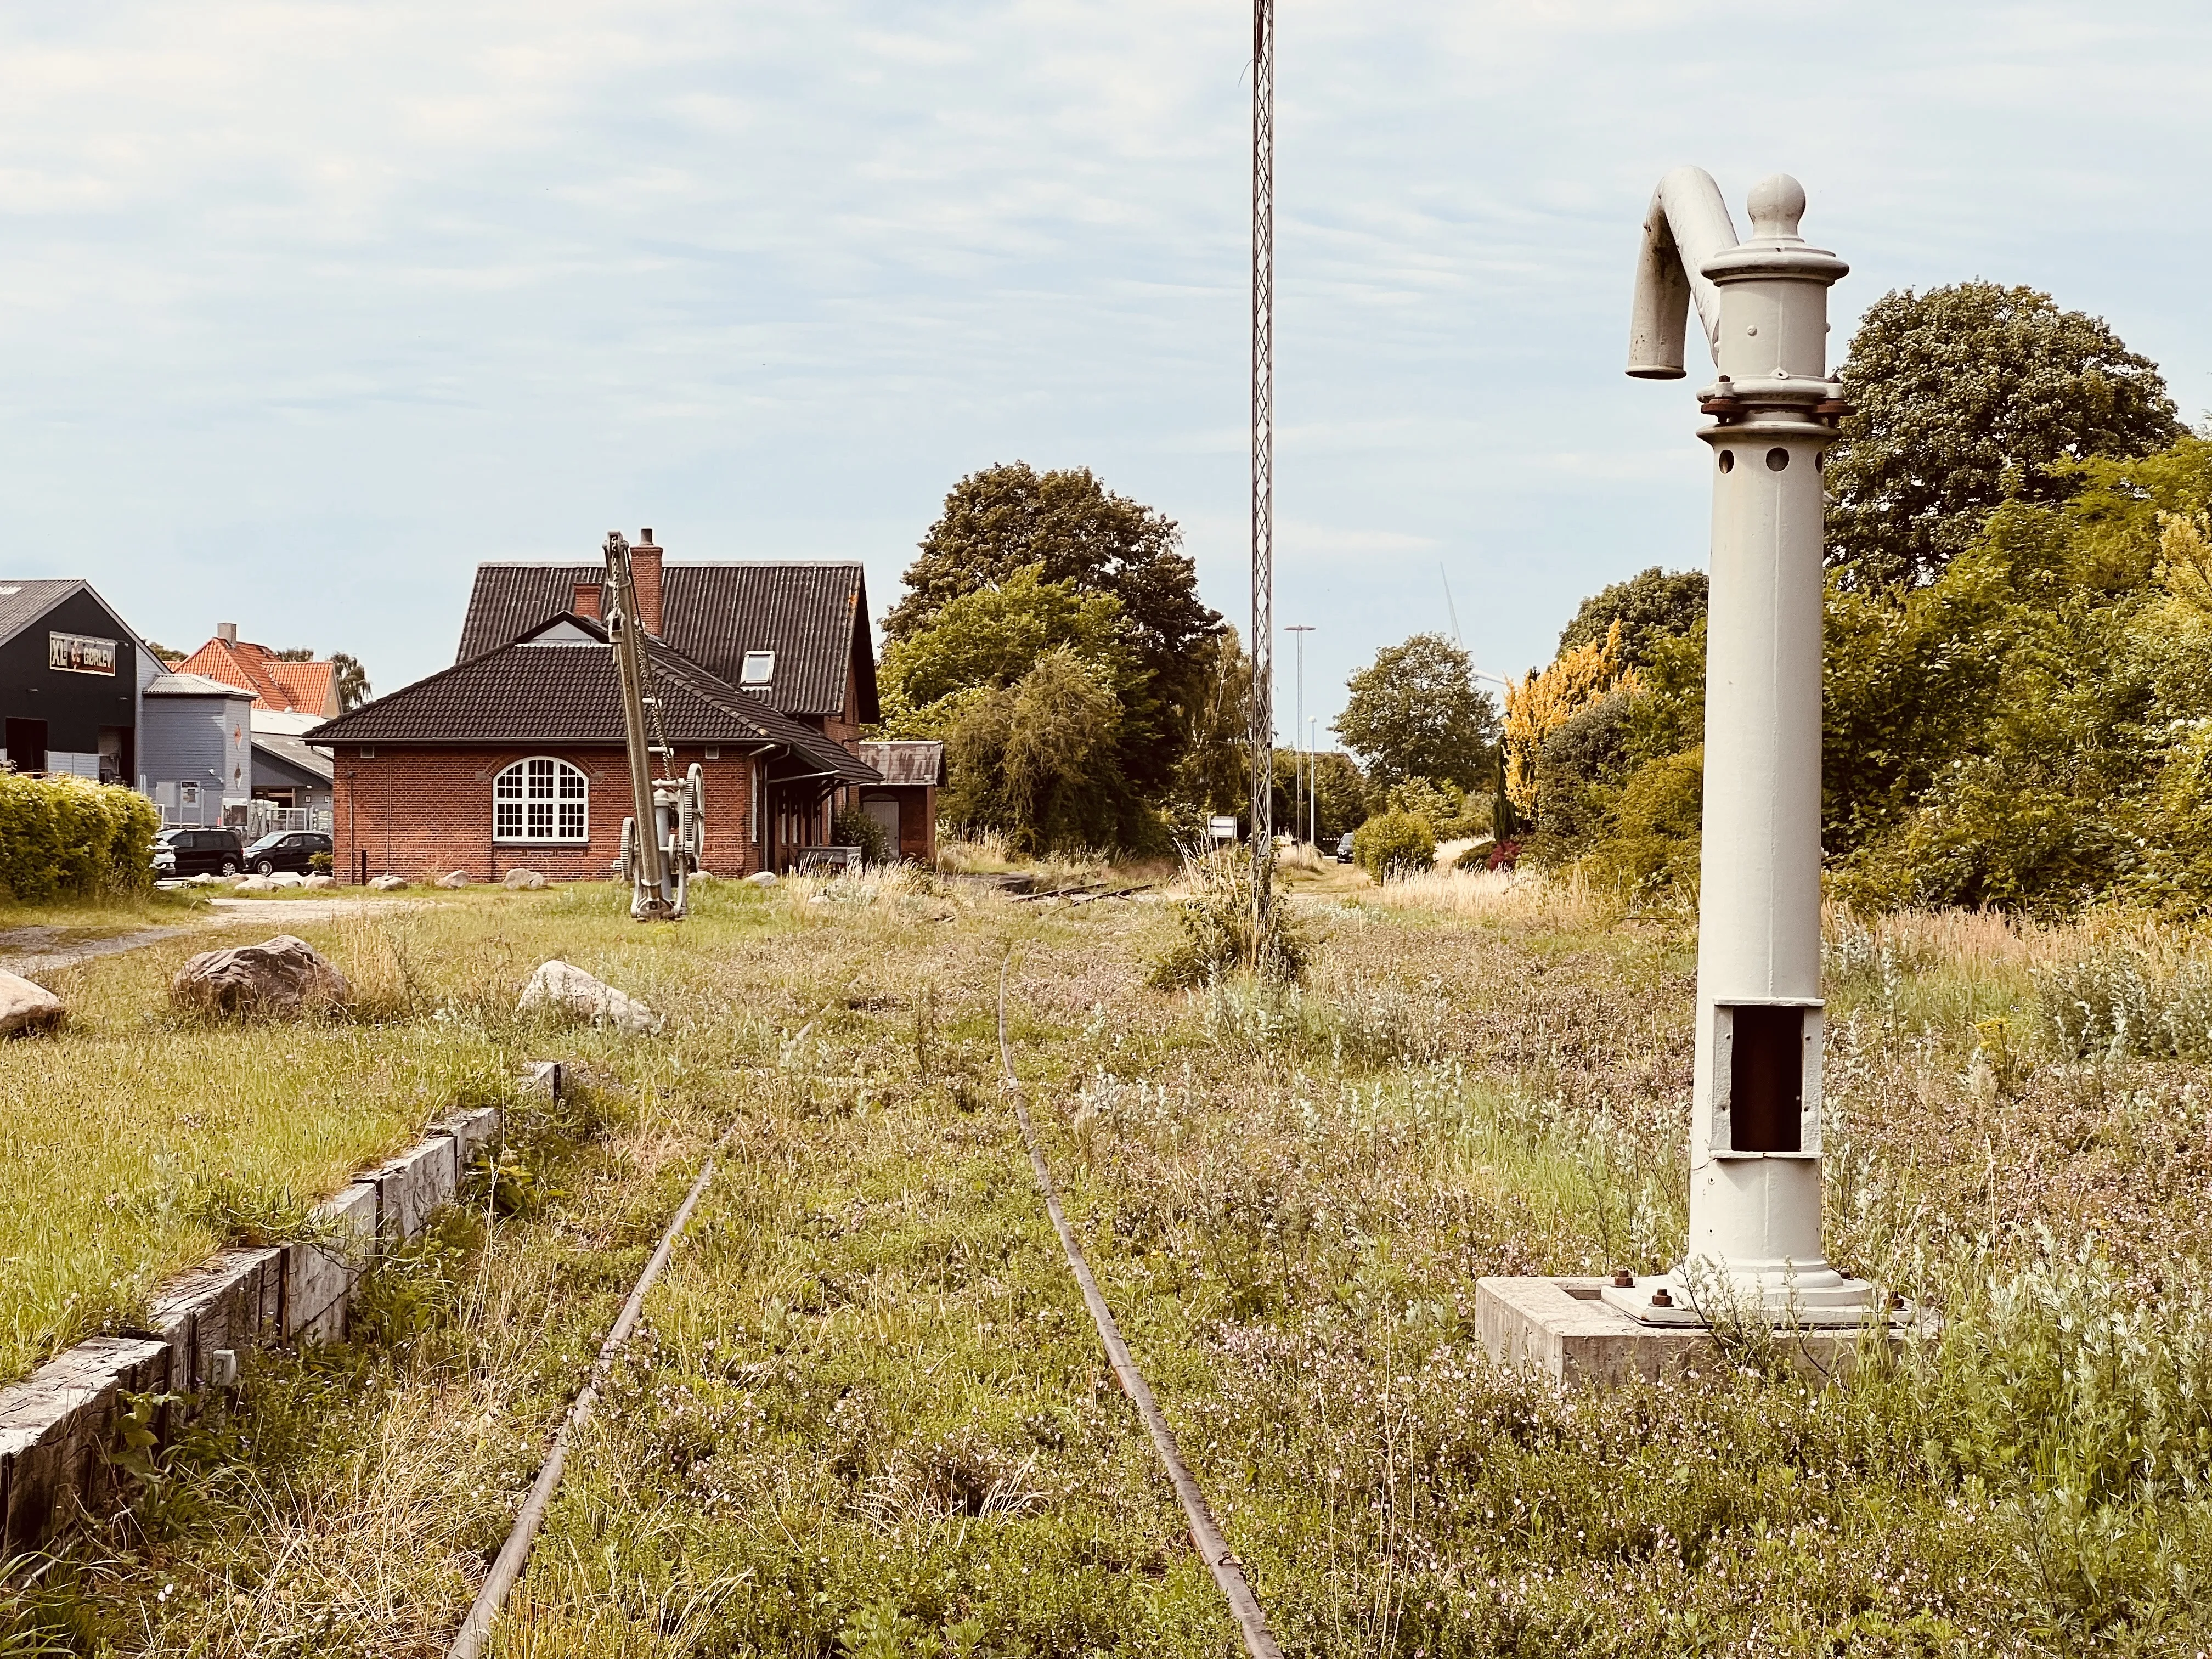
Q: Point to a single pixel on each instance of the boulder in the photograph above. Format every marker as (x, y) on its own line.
(321, 882)
(386, 884)
(761, 878)
(26, 1007)
(288, 879)
(173, 883)
(524, 881)
(282, 975)
(255, 885)
(209, 878)
(562, 989)
(454, 878)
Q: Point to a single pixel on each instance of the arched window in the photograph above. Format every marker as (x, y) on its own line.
(540, 799)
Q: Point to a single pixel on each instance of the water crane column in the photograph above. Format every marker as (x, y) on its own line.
(1755, 1195)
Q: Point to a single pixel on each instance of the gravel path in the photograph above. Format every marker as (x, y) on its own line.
(31, 951)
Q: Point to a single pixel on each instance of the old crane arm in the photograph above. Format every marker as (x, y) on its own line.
(1687, 224)
(663, 840)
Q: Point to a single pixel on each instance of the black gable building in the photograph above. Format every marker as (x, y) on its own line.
(69, 672)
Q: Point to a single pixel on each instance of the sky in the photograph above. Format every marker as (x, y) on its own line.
(305, 308)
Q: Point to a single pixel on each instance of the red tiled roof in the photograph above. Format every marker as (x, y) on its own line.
(301, 688)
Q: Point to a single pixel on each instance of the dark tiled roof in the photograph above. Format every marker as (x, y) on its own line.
(564, 694)
(906, 761)
(813, 615)
(22, 603)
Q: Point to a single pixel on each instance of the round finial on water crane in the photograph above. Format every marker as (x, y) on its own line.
(1777, 203)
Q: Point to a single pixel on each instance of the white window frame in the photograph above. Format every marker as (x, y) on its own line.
(757, 668)
(533, 795)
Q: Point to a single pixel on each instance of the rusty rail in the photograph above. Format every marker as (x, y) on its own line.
(1204, 1534)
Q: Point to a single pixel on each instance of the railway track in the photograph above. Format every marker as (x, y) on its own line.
(1206, 1536)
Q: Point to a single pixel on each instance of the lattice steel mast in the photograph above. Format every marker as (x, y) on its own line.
(1263, 450)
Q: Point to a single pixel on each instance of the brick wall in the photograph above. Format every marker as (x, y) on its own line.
(421, 811)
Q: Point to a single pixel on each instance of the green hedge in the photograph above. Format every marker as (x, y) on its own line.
(67, 838)
(1394, 844)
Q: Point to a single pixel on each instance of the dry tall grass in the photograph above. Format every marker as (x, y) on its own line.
(869, 1414)
(1567, 903)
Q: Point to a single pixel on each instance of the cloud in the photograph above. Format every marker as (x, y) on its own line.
(374, 290)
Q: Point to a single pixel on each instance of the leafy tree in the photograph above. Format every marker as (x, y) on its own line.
(350, 678)
(1341, 793)
(1451, 811)
(1538, 704)
(166, 655)
(1651, 608)
(1039, 760)
(1214, 772)
(992, 637)
(1963, 397)
(1005, 519)
(352, 681)
(1416, 711)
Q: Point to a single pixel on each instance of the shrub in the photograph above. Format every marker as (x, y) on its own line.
(1220, 933)
(2117, 1003)
(1394, 844)
(67, 838)
(320, 863)
(1452, 812)
(1657, 824)
(854, 827)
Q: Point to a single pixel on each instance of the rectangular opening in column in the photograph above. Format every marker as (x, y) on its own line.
(1766, 1079)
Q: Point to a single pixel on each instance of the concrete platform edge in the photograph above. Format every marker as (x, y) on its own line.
(57, 1426)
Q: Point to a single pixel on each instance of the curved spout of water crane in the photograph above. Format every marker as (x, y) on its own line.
(1688, 223)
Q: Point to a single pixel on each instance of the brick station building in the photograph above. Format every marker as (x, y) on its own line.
(514, 758)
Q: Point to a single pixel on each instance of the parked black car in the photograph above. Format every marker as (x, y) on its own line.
(198, 853)
(1343, 847)
(286, 849)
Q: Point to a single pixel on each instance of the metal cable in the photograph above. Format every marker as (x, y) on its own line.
(1204, 1535)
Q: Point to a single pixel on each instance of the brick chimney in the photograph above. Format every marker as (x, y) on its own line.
(644, 571)
(587, 602)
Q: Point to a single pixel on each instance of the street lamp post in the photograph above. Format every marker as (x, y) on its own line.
(1302, 766)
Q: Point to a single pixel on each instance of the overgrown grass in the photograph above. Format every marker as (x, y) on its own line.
(870, 1417)
(114, 1131)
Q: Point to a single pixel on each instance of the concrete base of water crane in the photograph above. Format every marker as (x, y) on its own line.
(1565, 1329)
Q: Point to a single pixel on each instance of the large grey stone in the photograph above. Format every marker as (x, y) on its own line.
(26, 1006)
(454, 879)
(320, 881)
(762, 878)
(255, 885)
(560, 987)
(386, 884)
(524, 881)
(282, 975)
